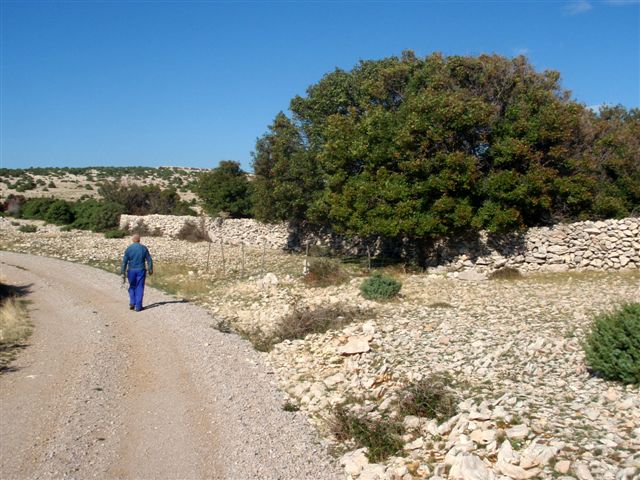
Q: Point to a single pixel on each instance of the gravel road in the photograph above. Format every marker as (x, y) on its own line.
(103, 392)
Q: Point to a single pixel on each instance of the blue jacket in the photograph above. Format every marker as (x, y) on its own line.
(134, 257)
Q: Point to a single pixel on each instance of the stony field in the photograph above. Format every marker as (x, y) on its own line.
(525, 404)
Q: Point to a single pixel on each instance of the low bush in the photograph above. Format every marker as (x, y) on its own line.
(60, 213)
(505, 273)
(304, 321)
(323, 272)
(97, 216)
(28, 228)
(380, 287)
(115, 234)
(36, 208)
(382, 436)
(613, 347)
(194, 231)
(431, 397)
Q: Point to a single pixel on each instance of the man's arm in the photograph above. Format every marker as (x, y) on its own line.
(149, 263)
(125, 261)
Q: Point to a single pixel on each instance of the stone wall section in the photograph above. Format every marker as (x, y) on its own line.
(599, 245)
(230, 231)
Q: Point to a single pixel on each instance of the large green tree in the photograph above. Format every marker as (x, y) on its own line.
(225, 189)
(422, 148)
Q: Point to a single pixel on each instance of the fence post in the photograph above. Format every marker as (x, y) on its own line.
(242, 248)
(223, 260)
(369, 258)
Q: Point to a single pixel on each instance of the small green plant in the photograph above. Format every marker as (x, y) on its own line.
(323, 272)
(382, 436)
(505, 273)
(613, 347)
(431, 397)
(380, 287)
(115, 234)
(289, 406)
(28, 228)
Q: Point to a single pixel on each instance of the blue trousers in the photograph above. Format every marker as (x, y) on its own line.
(136, 287)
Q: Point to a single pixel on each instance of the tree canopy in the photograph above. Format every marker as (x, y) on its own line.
(225, 189)
(443, 146)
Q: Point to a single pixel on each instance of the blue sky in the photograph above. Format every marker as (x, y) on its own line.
(192, 83)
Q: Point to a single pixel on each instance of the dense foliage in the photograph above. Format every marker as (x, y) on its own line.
(99, 215)
(423, 148)
(225, 189)
(144, 199)
(380, 287)
(613, 346)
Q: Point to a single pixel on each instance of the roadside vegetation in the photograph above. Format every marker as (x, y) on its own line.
(14, 322)
(98, 215)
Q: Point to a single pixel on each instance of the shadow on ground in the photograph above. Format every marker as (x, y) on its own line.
(160, 304)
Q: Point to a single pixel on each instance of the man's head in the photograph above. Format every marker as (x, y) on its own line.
(136, 238)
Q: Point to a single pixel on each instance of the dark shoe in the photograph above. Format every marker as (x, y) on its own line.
(131, 307)
(141, 308)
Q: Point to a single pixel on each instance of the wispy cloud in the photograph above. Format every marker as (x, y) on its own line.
(576, 7)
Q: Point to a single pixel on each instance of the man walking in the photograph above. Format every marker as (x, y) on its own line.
(134, 258)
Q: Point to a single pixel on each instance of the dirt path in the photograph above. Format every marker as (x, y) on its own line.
(103, 392)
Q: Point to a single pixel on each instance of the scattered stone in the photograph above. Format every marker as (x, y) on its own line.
(354, 461)
(355, 345)
(518, 432)
(562, 466)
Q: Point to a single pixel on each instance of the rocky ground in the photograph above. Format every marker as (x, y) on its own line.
(527, 407)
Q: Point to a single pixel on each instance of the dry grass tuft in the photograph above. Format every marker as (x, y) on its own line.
(431, 397)
(506, 273)
(14, 323)
(382, 436)
(324, 272)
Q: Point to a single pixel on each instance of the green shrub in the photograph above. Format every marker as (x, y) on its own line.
(380, 287)
(323, 272)
(36, 208)
(51, 184)
(28, 228)
(431, 397)
(60, 213)
(382, 436)
(115, 234)
(97, 216)
(613, 347)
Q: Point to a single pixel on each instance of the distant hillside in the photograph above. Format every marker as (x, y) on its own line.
(75, 183)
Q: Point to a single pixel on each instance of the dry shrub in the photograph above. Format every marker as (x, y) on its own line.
(382, 436)
(431, 397)
(194, 231)
(323, 272)
(303, 321)
(14, 326)
(505, 273)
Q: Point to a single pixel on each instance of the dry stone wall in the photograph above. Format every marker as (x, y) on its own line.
(600, 245)
(230, 231)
